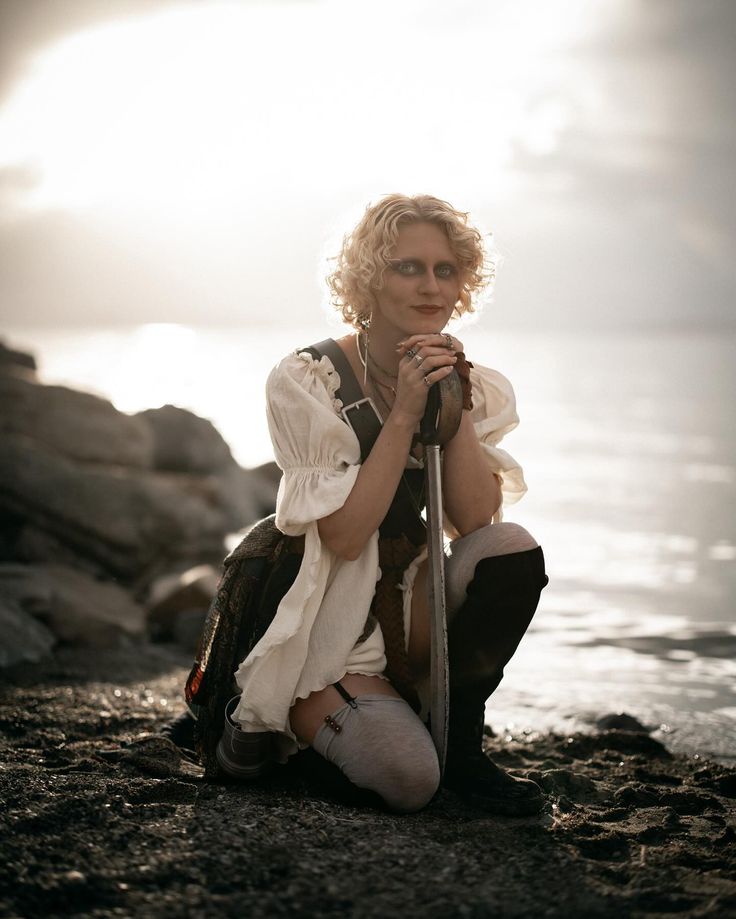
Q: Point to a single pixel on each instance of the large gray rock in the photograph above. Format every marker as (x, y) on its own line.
(74, 607)
(12, 361)
(113, 495)
(74, 424)
(180, 596)
(22, 584)
(24, 640)
(31, 543)
(130, 523)
(184, 442)
(88, 612)
(244, 495)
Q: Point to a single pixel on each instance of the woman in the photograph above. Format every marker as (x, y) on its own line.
(343, 666)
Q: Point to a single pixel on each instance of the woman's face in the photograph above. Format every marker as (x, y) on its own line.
(421, 286)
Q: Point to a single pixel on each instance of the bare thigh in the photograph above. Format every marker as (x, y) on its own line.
(308, 715)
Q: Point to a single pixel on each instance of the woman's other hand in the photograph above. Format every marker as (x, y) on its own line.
(425, 359)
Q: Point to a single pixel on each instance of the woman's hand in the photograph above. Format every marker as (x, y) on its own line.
(425, 359)
(471, 491)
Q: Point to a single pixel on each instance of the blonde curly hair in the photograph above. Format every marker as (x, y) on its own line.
(363, 259)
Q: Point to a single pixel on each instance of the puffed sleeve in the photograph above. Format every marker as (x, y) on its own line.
(318, 453)
(494, 415)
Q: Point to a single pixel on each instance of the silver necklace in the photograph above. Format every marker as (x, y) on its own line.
(364, 358)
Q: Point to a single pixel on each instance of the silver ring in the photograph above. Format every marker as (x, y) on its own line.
(448, 339)
(418, 358)
(410, 353)
(426, 380)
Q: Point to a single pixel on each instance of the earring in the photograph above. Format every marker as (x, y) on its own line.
(365, 358)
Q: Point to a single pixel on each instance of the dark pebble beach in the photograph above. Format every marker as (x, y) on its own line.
(104, 817)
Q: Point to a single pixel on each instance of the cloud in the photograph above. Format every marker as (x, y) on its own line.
(28, 26)
(605, 160)
(644, 165)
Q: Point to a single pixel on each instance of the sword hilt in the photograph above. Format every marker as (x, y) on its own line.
(442, 415)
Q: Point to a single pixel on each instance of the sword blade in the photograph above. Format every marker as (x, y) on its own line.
(439, 666)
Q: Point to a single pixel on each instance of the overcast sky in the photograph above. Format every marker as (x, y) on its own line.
(193, 162)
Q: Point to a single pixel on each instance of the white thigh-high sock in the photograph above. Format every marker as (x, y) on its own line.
(379, 743)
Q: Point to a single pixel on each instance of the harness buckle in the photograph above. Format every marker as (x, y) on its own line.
(356, 406)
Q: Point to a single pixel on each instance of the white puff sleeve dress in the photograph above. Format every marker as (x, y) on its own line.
(314, 637)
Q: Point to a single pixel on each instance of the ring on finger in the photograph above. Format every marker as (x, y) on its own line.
(449, 343)
(418, 358)
(410, 353)
(427, 381)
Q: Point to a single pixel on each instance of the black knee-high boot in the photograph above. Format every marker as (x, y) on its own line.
(483, 636)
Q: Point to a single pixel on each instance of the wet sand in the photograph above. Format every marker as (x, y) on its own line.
(101, 817)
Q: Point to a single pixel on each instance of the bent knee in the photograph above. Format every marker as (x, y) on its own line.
(407, 788)
(488, 542)
(493, 539)
(382, 746)
(505, 538)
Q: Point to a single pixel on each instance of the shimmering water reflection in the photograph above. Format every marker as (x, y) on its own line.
(629, 445)
(558, 683)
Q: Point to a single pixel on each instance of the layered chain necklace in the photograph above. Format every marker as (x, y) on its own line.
(364, 356)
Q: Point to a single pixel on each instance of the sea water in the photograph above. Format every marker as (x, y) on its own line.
(628, 443)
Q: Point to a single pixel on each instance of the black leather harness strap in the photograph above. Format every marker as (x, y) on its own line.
(360, 413)
(357, 409)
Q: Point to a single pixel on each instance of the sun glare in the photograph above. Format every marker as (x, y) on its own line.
(201, 105)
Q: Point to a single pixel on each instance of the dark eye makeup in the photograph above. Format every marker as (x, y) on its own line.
(410, 267)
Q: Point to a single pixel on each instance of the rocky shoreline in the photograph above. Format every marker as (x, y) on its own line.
(113, 525)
